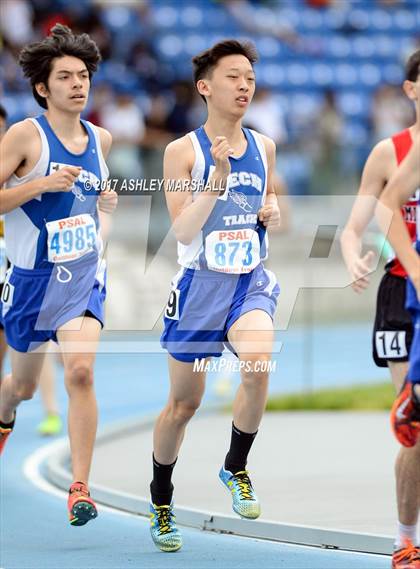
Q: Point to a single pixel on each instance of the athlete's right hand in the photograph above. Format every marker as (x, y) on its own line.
(359, 271)
(62, 180)
(220, 151)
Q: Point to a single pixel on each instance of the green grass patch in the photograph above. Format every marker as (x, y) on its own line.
(371, 397)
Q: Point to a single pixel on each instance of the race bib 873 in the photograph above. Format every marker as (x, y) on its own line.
(71, 238)
(234, 252)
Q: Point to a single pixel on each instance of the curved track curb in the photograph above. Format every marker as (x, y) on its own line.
(57, 471)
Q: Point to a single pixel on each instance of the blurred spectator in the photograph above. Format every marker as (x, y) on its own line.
(265, 115)
(86, 19)
(11, 75)
(391, 3)
(327, 143)
(320, 3)
(245, 14)
(144, 19)
(49, 21)
(16, 22)
(46, 14)
(124, 120)
(178, 120)
(156, 135)
(100, 98)
(391, 112)
(198, 113)
(143, 60)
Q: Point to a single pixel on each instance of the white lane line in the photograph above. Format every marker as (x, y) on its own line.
(32, 471)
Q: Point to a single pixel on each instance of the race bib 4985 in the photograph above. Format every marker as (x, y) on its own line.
(71, 238)
(234, 252)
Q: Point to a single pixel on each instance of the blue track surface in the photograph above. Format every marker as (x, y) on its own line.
(34, 532)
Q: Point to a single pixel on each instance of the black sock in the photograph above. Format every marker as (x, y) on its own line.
(161, 486)
(7, 425)
(240, 445)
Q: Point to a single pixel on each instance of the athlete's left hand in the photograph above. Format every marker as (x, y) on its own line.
(107, 201)
(269, 215)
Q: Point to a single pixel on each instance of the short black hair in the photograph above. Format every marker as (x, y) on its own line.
(3, 112)
(205, 62)
(412, 67)
(36, 59)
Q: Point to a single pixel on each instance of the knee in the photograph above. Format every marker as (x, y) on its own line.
(79, 376)
(25, 391)
(255, 373)
(182, 411)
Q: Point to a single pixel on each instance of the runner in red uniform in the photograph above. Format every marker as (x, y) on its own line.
(393, 329)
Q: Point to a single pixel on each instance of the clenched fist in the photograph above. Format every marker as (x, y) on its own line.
(220, 151)
(62, 180)
(269, 215)
(107, 201)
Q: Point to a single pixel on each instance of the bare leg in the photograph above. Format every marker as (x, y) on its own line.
(79, 351)
(407, 467)
(47, 386)
(252, 331)
(3, 349)
(252, 338)
(21, 384)
(187, 388)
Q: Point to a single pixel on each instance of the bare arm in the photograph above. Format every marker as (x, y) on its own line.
(399, 189)
(188, 216)
(284, 203)
(374, 178)
(106, 140)
(14, 150)
(108, 200)
(269, 214)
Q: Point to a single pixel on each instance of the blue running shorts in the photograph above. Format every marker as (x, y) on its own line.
(204, 304)
(37, 302)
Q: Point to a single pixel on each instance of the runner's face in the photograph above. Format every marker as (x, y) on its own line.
(231, 85)
(68, 84)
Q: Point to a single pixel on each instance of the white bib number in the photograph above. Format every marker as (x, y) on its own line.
(172, 308)
(71, 238)
(391, 344)
(6, 300)
(235, 251)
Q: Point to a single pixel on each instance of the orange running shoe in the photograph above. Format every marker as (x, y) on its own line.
(81, 507)
(4, 434)
(407, 557)
(405, 416)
